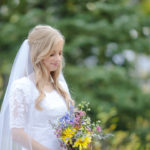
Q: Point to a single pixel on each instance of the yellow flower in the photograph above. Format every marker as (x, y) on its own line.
(89, 133)
(82, 142)
(67, 134)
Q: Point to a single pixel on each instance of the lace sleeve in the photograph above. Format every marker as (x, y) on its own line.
(18, 106)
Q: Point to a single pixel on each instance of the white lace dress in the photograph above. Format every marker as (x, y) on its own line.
(21, 101)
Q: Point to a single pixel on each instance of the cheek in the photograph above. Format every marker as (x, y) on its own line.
(47, 60)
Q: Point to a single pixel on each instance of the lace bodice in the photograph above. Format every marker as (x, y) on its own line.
(23, 113)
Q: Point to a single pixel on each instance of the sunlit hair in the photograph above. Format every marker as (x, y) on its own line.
(42, 39)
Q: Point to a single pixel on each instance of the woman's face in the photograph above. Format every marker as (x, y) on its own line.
(53, 61)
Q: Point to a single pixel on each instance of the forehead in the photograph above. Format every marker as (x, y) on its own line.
(58, 46)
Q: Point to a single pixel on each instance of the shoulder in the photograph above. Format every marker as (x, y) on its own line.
(21, 83)
(64, 86)
(21, 89)
(22, 86)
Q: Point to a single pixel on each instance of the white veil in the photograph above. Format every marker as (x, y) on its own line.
(22, 66)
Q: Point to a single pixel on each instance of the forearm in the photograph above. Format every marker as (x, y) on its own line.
(21, 137)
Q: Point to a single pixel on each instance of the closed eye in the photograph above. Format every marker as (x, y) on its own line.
(51, 54)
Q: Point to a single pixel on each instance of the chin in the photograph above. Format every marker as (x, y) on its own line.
(53, 69)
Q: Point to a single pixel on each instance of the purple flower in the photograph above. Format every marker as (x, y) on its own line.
(82, 113)
(89, 129)
(77, 118)
(98, 128)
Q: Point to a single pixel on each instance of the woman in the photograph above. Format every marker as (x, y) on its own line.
(37, 93)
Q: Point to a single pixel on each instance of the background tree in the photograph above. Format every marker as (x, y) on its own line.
(104, 39)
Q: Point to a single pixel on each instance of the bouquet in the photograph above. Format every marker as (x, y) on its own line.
(75, 130)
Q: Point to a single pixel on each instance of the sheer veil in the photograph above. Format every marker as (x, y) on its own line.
(22, 66)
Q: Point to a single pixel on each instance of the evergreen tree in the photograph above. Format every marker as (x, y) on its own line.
(98, 35)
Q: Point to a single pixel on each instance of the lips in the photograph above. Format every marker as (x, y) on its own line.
(55, 64)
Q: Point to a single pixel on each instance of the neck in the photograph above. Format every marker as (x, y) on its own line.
(45, 80)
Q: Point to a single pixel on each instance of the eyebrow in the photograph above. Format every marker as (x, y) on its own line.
(56, 50)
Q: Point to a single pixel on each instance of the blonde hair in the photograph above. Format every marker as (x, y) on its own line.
(42, 39)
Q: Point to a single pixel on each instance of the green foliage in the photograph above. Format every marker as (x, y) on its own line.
(95, 31)
(116, 99)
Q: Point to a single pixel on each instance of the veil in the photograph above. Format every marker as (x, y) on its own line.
(22, 67)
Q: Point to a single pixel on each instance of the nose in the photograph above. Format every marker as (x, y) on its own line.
(58, 58)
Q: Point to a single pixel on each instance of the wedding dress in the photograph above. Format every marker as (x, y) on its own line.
(22, 102)
(18, 107)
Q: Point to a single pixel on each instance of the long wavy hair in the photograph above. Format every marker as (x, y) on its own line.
(42, 39)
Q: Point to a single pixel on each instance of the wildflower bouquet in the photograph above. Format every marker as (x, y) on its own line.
(75, 130)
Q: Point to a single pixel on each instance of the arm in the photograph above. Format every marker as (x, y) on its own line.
(19, 113)
(21, 137)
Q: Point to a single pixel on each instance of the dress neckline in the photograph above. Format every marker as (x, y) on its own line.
(31, 79)
(52, 91)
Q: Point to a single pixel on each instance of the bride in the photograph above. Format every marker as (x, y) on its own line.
(37, 93)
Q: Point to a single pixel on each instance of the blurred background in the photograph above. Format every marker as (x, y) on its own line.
(107, 59)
